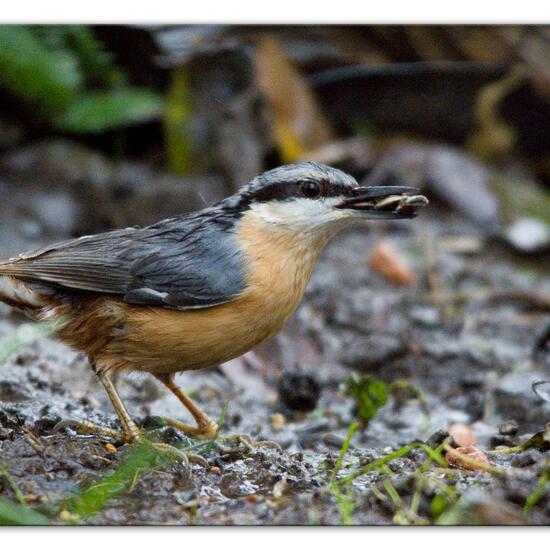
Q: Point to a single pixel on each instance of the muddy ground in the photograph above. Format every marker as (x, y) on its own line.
(466, 335)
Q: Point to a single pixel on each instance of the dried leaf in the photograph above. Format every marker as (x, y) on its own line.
(386, 261)
(493, 137)
(468, 458)
(300, 125)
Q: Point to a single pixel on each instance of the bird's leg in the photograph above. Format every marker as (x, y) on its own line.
(206, 428)
(130, 432)
(129, 429)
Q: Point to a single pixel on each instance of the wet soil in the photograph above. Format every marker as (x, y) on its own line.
(467, 333)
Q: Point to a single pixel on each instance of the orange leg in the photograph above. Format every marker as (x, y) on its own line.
(205, 428)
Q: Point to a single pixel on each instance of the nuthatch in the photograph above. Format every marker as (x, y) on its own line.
(199, 289)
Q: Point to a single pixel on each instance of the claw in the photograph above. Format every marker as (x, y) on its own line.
(246, 441)
(85, 427)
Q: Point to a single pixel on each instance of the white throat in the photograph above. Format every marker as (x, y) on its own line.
(304, 217)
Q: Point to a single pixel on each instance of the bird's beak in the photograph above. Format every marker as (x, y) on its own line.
(384, 202)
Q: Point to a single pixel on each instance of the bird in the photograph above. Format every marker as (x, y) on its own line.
(195, 290)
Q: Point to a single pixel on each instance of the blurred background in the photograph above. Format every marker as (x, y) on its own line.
(134, 123)
(409, 328)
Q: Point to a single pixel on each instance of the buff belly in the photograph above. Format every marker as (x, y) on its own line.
(120, 337)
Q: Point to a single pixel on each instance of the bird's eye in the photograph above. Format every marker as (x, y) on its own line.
(310, 189)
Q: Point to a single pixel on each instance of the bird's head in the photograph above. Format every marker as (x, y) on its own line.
(313, 198)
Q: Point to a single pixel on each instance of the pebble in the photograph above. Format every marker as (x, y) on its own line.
(110, 448)
(462, 435)
(502, 440)
(299, 391)
(437, 438)
(509, 427)
(527, 458)
(278, 421)
(65, 515)
(333, 440)
(425, 316)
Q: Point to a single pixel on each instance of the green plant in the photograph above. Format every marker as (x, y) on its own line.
(369, 393)
(65, 76)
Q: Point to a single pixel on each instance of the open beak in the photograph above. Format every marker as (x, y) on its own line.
(385, 202)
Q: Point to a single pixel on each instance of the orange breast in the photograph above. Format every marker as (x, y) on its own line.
(162, 340)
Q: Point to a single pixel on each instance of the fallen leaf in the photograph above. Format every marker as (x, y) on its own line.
(386, 261)
(493, 137)
(300, 125)
(467, 458)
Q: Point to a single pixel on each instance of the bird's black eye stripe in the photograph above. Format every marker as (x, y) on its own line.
(288, 190)
(310, 189)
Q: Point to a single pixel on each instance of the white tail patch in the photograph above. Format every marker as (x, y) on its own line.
(19, 293)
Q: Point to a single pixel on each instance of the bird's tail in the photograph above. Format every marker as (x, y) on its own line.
(33, 300)
(19, 294)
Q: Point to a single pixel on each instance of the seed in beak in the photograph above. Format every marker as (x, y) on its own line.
(401, 204)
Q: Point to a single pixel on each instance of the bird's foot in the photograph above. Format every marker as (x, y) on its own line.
(244, 441)
(209, 430)
(87, 428)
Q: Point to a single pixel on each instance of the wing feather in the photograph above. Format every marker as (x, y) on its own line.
(179, 263)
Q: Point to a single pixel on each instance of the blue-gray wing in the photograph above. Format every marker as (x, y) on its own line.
(180, 263)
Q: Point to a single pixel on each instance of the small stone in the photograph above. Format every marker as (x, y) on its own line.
(278, 421)
(13, 392)
(65, 515)
(110, 448)
(437, 438)
(527, 458)
(45, 425)
(280, 487)
(172, 436)
(528, 234)
(5, 433)
(502, 441)
(509, 427)
(92, 401)
(462, 435)
(333, 440)
(425, 316)
(299, 391)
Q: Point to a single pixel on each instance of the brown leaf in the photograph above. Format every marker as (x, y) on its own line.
(467, 458)
(300, 125)
(386, 261)
(463, 435)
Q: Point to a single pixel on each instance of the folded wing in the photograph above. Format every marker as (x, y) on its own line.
(179, 263)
